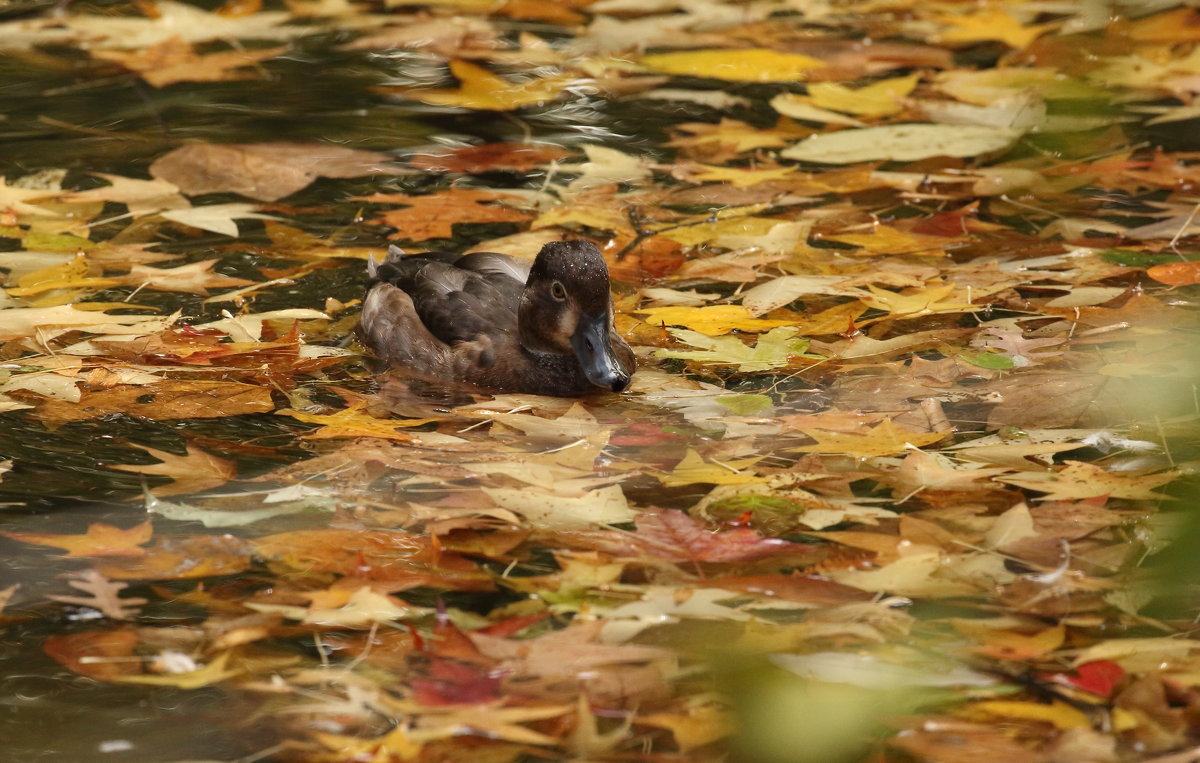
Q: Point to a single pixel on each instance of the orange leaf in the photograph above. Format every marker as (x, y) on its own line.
(100, 540)
(434, 216)
(1176, 273)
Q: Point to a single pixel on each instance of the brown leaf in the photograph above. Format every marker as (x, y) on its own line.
(264, 171)
(103, 655)
(174, 61)
(198, 470)
(434, 216)
(101, 539)
(165, 400)
(517, 157)
(175, 557)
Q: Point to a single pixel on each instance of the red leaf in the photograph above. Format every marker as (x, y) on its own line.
(676, 536)
(1099, 677)
(455, 683)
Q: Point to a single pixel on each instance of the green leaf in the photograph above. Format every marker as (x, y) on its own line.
(1134, 259)
(992, 360)
(745, 405)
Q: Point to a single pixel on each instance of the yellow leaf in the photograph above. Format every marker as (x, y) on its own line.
(693, 469)
(749, 65)
(884, 439)
(712, 320)
(696, 728)
(600, 217)
(875, 100)
(991, 24)
(481, 89)
(884, 239)
(712, 232)
(1057, 713)
(351, 422)
(925, 302)
(1082, 480)
(213, 672)
(741, 177)
(835, 320)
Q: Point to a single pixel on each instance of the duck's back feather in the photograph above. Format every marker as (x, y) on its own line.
(458, 298)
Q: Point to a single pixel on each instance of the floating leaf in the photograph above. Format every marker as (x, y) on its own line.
(778, 347)
(901, 143)
(738, 65)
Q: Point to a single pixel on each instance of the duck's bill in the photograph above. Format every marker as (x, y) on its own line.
(595, 353)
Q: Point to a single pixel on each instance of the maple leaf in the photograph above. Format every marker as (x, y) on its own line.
(217, 218)
(924, 302)
(874, 100)
(991, 23)
(481, 89)
(735, 136)
(101, 539)
(165, 400)
(434, 215)
(673, 535)
(353, 422)
(518, 157)
(549, 509)
(198, 470)
(778, 347)
(1083, 480)
(215, 671)
(692, 469)
(181, 556)
(169, 20)
(174, 60)
(102, 595)
(141, 197)
(884, 439)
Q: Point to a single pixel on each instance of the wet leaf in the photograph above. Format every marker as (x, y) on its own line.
(901, 142)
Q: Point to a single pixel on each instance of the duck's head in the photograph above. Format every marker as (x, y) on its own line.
(566, 309)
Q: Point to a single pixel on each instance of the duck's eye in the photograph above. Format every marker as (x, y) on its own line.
(558, 291)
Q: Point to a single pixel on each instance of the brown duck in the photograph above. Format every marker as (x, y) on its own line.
(497, 322)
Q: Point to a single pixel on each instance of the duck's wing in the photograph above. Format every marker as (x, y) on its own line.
(456, 303)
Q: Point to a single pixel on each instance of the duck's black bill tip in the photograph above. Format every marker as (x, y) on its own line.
(594, 351)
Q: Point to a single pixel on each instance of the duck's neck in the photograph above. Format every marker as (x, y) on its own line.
(553, 373)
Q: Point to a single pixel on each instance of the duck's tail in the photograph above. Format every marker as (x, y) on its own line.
(394, 253)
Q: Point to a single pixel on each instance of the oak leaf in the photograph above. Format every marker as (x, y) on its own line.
(102, 595)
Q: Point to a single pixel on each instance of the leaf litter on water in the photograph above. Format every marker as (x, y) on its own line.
(916, 370)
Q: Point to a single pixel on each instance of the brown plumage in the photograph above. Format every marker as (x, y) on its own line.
(496, 322)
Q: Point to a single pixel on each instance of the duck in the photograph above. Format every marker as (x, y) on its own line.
(496, 322)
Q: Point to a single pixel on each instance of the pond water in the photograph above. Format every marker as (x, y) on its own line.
(925, 437)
